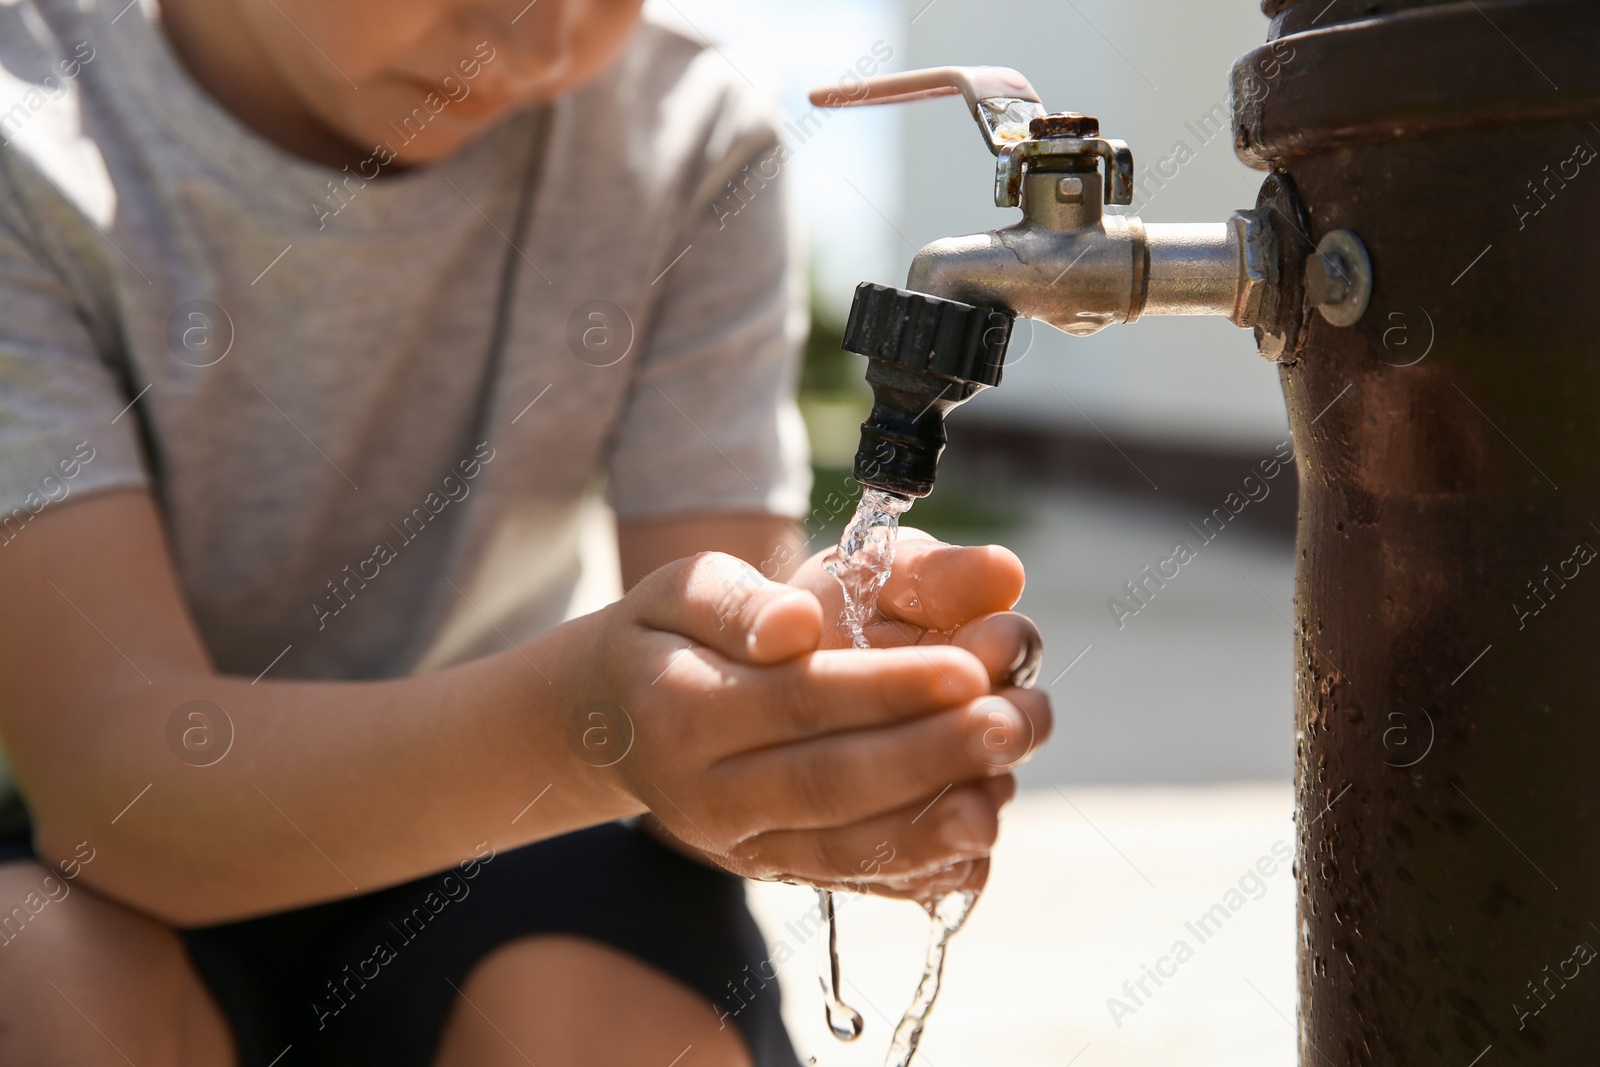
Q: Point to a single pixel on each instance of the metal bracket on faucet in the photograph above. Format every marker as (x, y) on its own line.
(1016, 158)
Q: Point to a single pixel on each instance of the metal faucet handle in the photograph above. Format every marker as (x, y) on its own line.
(1001, 100)
(1011, 116)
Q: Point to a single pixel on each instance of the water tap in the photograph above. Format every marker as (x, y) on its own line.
(936, 343)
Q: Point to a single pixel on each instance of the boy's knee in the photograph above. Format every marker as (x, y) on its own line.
(46, 916)
(68, 956)
(581, 981)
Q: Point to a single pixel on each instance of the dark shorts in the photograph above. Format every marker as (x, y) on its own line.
(369, 980)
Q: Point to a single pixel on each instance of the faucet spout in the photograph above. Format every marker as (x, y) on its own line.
(1082, 280)
(1079, 281)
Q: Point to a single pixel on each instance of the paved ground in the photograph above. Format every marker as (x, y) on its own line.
(1089, 885)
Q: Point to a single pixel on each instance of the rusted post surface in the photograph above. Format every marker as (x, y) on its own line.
(1448, 588)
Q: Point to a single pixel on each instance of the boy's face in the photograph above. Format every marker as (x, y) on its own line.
(363, 67)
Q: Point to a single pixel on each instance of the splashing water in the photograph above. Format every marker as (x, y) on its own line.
(864, 557)
(861, 564)
(949, 913)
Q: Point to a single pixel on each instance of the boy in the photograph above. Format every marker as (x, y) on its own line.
(321, 321)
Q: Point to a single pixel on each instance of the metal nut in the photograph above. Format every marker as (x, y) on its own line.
(1257, 268)
(1064, 124)
(1272, 344)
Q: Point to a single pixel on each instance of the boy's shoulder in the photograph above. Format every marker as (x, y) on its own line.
(40, 37)
(674, 51)
(672, 80)
(49, 50)
(44, 47)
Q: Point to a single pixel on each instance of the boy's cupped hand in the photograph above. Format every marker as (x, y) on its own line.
(760, 739)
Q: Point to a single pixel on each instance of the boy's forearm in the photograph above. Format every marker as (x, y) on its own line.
(325, 788)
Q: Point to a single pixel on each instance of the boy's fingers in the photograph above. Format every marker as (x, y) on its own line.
(848, 689)
(846, 778)
(930, 886)
(957, 825)
(940, 586)
(836, 691)
(726, 604)
(964, 874)
(1008, 644)
(968, 874)
(1005, 730)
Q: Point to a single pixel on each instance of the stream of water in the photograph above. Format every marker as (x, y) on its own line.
(865, 555)
(861, 564)
(948, 913)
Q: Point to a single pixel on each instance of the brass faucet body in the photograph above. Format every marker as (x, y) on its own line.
(1070, 264)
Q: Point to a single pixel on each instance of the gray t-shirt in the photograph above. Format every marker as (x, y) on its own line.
(372, 411)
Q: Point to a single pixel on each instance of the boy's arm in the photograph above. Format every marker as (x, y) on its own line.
(325, 788)
(777, 760)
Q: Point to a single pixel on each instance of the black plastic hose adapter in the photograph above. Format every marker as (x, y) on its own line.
(925, 356)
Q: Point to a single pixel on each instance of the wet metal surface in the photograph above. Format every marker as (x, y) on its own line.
(1448, 705)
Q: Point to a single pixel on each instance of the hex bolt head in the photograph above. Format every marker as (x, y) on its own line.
(1257, 271)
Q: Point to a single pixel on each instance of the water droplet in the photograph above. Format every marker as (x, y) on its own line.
(843, 1020)
(852, 1026)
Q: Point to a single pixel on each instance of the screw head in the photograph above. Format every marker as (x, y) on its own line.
(1064, 124)
(1339, 278)
(1327, 279)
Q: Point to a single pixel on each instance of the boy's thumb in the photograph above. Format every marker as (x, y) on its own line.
(726, 604)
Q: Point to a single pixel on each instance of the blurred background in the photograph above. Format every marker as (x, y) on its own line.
(1169, 776)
